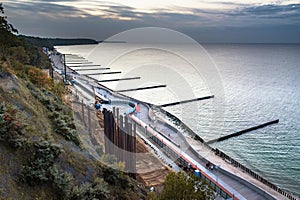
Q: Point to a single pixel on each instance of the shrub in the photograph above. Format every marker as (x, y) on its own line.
(187, 186)
(109, 159)
(62, 121)
(41, 166)
(116, 178)
(10, 126)
(96, 190)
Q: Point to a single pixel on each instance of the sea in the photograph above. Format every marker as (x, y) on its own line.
(251, 83)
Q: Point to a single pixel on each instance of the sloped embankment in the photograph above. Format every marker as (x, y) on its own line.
(40, 153)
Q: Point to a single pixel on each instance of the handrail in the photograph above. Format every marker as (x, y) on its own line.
(253, 174)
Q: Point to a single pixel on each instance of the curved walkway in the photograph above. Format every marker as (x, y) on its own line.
(245, 185)
(239, 183)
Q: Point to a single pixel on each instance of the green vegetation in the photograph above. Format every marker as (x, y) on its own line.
(6, 38)
(50, 42)
(43, 167)
(41, 154)
(40, 167)
(37, 77)
(59, 113)
(97, 190)
(10, 126)
(184, 186)
(11, 47)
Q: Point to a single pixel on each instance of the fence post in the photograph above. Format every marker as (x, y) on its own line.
(89, 119)
(82, 111)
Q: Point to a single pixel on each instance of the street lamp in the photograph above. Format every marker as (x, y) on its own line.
(65, 68)
(217, 167)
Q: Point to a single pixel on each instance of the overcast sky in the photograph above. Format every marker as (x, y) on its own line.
(275, 21)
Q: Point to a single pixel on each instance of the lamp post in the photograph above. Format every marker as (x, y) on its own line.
(217, 167)
(65, 68)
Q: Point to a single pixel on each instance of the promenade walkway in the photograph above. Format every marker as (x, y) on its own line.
(237, 183)
(243, 183)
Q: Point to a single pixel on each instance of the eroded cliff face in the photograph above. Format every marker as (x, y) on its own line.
(40, 162)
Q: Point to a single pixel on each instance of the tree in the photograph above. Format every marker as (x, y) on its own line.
(7, 38)
(180, 186)
(19, 53)
(4, 25)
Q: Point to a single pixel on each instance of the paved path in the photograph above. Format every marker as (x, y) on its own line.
(176, 137)
(201, 153)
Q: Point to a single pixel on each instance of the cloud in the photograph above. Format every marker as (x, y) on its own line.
(43, 8)
(121, 12)
(291, 11)
(272, 9)
(101, 19)
(183, 15)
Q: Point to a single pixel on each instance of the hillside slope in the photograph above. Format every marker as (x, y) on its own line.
(42, 156)
(50, 42)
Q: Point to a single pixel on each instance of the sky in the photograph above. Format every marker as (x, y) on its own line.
(246, 21)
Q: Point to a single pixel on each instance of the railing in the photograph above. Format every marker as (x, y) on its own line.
(230, 160)
(253, 174)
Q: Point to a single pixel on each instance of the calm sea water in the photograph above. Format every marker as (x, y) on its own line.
(252, 84)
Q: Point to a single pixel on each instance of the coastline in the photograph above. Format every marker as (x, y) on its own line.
(204, 151)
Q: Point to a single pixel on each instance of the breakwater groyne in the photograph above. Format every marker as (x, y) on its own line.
(119, 79)
(142, 88)
(243, 131)
(234, 183)
(187, 101)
